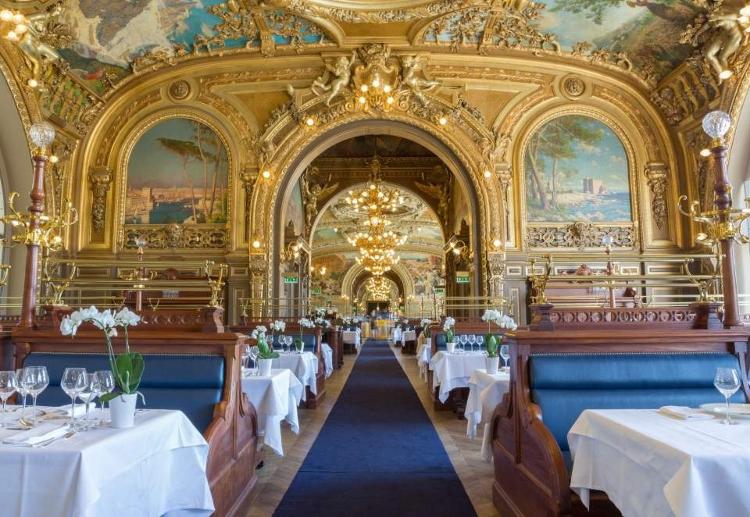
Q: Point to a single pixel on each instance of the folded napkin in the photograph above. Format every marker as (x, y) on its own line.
(37, 435)
(684, 413)
(78, 410)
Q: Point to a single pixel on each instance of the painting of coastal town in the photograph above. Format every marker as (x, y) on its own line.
(576, 169)
(177, 173)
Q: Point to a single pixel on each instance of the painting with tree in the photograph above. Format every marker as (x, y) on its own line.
(576, 170)
(178, 173)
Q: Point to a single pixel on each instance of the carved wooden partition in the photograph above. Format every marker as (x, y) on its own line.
(293, 329)
(531, 477)
(232, 436)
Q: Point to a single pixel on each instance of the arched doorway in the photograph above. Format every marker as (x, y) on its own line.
(465, 230)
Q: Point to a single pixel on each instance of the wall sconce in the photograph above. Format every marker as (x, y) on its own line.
(257, 244)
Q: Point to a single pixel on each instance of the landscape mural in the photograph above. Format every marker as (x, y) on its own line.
(177, 173)
(576, 170)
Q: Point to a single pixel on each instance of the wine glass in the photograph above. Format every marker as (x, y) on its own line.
(72, 382)
(34, 380)
(727, 381)
(90, 391)
(472, 341)
(8, 386)
(106, 385)
(505, 354)
(282, 341)
(245, 354)
(480, 342)
(463, 339)
(254, 352)
(23, 393)
(290, 341)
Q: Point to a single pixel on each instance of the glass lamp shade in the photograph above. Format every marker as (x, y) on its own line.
(42, 134)
(716, 124)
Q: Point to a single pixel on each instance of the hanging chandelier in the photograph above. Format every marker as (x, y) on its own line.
(379, 288)
(376, 200)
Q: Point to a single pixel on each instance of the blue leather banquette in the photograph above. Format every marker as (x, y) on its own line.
(564, 385)
(191, 383)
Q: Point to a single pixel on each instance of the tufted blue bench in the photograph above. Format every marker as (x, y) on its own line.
(564, 385)
(555, 376)
(191, 383)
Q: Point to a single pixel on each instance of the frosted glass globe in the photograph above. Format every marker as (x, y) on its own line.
(42, 134)
(716, 124)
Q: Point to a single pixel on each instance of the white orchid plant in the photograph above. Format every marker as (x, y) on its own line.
(448, 325)
(503, 321)
(425, 324)
(264, 351)
(127, 368)
(304, 323)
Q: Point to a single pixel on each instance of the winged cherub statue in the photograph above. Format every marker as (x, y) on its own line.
(342, 74)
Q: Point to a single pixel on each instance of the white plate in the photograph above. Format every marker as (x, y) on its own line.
(735, 410)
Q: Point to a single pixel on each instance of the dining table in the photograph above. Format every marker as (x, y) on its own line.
(486, 391)
(327, 359)
(408, 335)
(656, 464)
(352, 337)
(156, 467)
(424, 354)
(275, 398)
(303, 365)
(453, 370)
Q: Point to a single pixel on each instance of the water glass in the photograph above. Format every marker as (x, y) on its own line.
(91, 390)
(34, 380)
(245, 354)
(727, 381)
(106, 385)
(289, 341)
(72, 383)
(254, 353)
(8, 386)
(23, 393)
(505, 354)
(472, 341)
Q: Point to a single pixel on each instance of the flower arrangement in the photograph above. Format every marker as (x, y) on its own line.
(501, 320)
(448, 326)
(303, 324)
(127, 368)
(320, 312)
(322, 322)
(264, 351)
(425, 324)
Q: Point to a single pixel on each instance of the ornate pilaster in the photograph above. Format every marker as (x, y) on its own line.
(657, 178)
(99, 180)
(258, 269)
(249, 179)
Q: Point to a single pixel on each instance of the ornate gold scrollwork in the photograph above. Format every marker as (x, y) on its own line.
(99, 179)
(657, 178)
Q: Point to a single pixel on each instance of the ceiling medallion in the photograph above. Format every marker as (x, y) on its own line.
(179, 90)
(573, 87)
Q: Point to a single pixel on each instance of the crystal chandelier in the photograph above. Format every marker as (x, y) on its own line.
(379, 288)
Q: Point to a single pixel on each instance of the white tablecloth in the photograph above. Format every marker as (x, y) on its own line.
(424, 353)
(408, 335)
(351, 337)
(327, 359)
(304, 366)
(654, 465)
(397, 335)
(451, 371)
(485, 393)
(275, 399)
(156, 467)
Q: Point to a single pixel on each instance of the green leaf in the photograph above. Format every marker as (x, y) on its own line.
(491, 342)
(130, 369)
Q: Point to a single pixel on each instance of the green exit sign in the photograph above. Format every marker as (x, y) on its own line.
(291, 278)
(439, 290)
(462, 277)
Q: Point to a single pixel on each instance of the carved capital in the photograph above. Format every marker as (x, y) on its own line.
(99, 180)
(657, 176)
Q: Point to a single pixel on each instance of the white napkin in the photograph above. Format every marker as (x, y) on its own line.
(79, 410)
(684, 413)
(37, 435)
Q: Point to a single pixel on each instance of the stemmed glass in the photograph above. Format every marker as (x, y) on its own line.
(244, 357)
(464, 339)
(253, 354)
(289, 342)
(480, 342)
(8, 386)
(73, 381)
(106, 385)
(472, 342)
(34, 380)
(90, 391)
(505, 354)
(727, 381)
(23, 393)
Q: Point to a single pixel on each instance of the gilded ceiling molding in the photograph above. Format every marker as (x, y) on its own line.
(370, 15)
(100, 179)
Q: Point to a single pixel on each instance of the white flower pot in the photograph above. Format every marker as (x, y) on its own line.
(492, 364)
(264, 367)
(301, 349)
(122, 410)
(451, 347)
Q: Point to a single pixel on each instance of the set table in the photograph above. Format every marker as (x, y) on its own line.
(304, 366)
(408, 335)
(651, 464)
(424, 353)
(351, 337)
(485, 393)
(451, 371)
(327, 360)
(157, 467)
(275, 399)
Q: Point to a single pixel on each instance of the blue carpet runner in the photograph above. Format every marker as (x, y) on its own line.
(377, 453)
